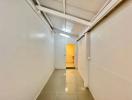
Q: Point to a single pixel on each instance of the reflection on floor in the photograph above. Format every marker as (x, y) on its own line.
(65, 85)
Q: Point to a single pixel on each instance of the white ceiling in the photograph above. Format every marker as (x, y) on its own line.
(66, 25)
(83, 9)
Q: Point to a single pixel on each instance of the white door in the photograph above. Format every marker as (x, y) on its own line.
(88, 57)
(60, 50)
(83, 60)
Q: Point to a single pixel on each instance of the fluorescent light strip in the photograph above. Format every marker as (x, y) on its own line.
(64, 35)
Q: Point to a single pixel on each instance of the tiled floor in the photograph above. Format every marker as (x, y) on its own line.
(65, 85)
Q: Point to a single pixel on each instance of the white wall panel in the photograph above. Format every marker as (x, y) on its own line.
(111, 56)
(26, 51)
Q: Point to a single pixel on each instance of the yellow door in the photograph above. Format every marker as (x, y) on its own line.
(70, 55)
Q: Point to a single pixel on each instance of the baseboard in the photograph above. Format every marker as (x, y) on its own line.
(91, 93)
(44, 83)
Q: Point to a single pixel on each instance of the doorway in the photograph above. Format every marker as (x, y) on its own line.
(70, 56)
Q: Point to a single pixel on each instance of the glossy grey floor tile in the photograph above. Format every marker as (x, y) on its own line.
(65, 85)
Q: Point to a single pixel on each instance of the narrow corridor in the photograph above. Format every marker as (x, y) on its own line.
(65, 85)
(54, 49)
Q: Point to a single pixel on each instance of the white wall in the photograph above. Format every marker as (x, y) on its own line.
(26, 61)
(60, 50)
(111, 56)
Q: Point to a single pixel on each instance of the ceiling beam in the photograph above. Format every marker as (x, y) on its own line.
(45, 15)
(38, 2)
(106, 10)
(109, 7)
(64, 6)
(102, 8)
(31, 4)
(66, 16)
(48, 19)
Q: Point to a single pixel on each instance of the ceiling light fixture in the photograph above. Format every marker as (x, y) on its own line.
(64, 35)
(66, 30)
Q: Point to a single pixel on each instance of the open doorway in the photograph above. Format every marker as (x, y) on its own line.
(70, 56)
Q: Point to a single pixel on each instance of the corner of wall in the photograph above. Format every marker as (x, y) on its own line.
(44, 83)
